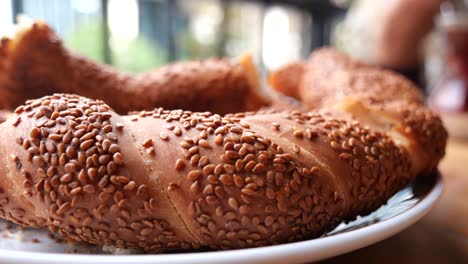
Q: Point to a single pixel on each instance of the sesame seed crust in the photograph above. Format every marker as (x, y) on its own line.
(380, 99)
(77, 180)
(172, 179)
(215, 181)
(248, 189)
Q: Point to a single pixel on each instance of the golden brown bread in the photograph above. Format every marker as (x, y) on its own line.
(381, 99)
(35, 63)
(287, 79)
(176, 179)
(329, 76)
(162, 179)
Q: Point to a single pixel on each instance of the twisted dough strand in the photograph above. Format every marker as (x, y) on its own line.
(165, 179)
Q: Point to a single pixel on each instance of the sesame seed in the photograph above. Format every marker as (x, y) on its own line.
(194, 174)
(226, 179)
(270, 193)
(298, 133)
(233, 203)
(345, 156)
(151, 151)
(130, 186)
(250, 165)
(194, 187)
(180, 164)
(113, 148)
(17, 121)
(236, 130)
(148, 143)
(193, 150)
(218, 140)
(119, 126)
(203, 161)
(63, 208)
(18, 212)
(204, 144)
(194, 160)
(335, 145)
(208, 189)
(248, 191)
(76, 191)
(259, 168)
(164, 136)
(177, 131)
(86, 144)
(172, 186)
(238, 180)
(244, 209)
(35, 132)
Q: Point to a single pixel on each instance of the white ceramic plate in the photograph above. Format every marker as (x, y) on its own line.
(402, 210)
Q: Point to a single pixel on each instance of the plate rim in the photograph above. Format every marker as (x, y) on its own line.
(290, 252)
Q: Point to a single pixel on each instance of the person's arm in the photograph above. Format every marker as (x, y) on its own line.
(404, 25)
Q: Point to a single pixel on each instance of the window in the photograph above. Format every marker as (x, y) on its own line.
(137, 35)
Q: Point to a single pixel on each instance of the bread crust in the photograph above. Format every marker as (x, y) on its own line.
(162, 180)
(380, 99)
(172, 179)
(35, 63)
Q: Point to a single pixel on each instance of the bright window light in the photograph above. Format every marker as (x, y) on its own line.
(123, 19)
(86, 6)
(205, 23)
(280, 41)
(6, 17)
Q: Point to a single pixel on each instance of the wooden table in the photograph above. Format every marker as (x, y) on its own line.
(441, 236)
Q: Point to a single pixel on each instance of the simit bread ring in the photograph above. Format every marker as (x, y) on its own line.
(35, 63)
(381, 99)
(162, 180)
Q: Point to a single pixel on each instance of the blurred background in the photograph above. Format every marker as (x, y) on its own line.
(427, 40)
(137, 35)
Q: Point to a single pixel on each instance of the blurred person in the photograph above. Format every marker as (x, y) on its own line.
(399, 39)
